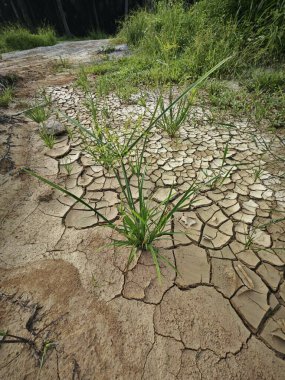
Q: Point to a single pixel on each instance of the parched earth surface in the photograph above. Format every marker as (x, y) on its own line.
(222, 316)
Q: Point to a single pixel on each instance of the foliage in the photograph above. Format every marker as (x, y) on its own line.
(61, 64)
(38, 114)
(176, 42)
(266, 80)
(48, 138)
(257, 99)
(18, 38)
(208, 31)
(6, 96)
(173, 120)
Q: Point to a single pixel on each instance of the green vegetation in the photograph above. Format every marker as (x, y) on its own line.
(48, 138)
(19, 38)
(47, 346)
(6, 96)
(173, 120)
(61, 64)
(68, 167)
(105, 146)
(177, 42)
(39, 114)
(192, 39)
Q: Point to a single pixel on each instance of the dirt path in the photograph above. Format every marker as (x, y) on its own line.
(223, 317)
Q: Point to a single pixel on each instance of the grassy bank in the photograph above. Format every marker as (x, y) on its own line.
(175, 43)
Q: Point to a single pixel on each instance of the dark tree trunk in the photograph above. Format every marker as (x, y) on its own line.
(15, 10)
(96, 15)
(63, 18)
(126, 8)
(25, 13)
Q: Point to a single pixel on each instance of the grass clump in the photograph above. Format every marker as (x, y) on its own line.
(39, 114)
(267, 80)
(61, 64)
(172, 121)
(6, 97)
(47, 138)
(20, 38)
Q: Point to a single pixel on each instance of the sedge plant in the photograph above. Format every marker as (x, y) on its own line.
(172, 121)
(39, 114)
(47, 138)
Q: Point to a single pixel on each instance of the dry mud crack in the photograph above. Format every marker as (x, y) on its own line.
(222, 317)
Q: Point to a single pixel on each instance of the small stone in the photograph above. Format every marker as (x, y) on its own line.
(54, 127)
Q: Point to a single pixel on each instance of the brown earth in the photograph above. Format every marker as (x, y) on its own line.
(222, 319)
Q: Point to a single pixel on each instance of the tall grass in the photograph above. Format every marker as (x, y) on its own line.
(208, 31)
(15, 37)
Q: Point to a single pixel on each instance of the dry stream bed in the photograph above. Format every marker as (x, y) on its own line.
(222, 317)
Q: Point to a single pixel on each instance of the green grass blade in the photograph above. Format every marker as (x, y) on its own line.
(156, 263)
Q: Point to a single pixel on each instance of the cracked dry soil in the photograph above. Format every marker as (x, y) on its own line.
(223, 317)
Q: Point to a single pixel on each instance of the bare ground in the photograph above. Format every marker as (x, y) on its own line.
(67, 286)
